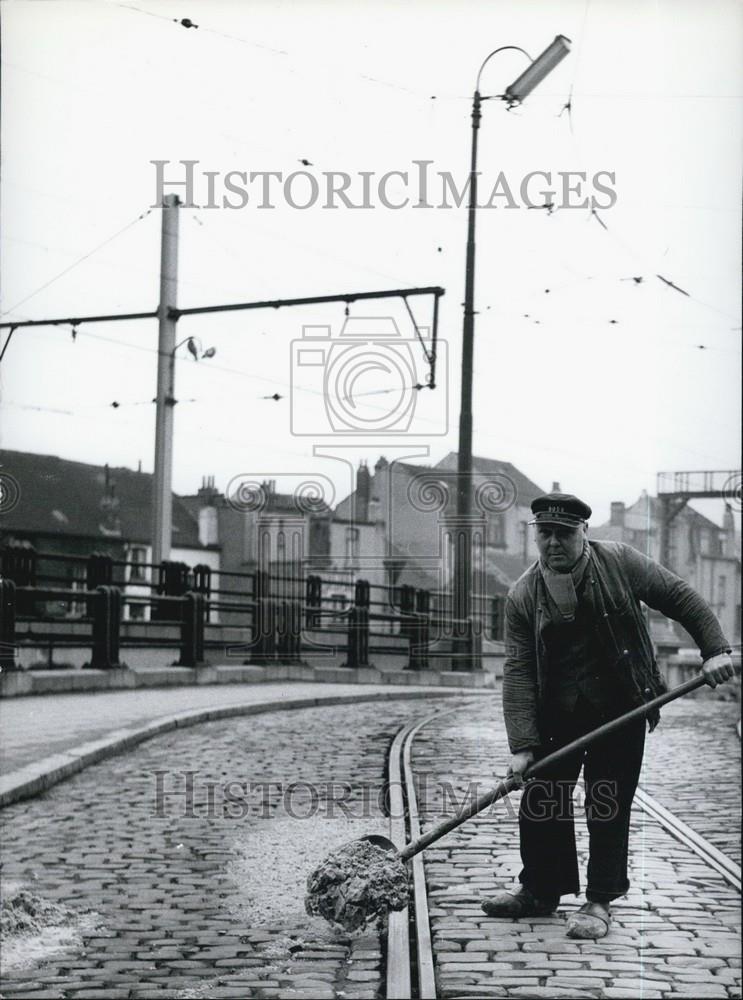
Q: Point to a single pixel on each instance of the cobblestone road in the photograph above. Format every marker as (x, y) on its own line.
(39, 725)
(677, 933)
(693, 768)
(200, 895)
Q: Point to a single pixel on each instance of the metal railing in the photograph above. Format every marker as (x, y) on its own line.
(277, 615)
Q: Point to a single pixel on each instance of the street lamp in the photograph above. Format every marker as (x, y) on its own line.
(195, 349)
(537, 70)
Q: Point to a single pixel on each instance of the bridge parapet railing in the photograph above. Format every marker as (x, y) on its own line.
(285, 614)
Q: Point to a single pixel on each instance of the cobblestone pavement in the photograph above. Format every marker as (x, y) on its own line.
(39, 725)
(202, 895)
(676, 933)
(705, 730)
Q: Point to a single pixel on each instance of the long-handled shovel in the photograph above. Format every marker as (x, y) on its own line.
(367, 877)
(508, 785)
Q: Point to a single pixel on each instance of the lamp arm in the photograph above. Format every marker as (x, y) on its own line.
(503, 48)
(184, 341)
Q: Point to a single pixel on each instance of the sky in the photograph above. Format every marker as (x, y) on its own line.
(590, 370)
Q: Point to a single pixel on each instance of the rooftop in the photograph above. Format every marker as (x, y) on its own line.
(62, 497)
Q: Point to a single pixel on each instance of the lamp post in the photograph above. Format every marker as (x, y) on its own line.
(537, 70)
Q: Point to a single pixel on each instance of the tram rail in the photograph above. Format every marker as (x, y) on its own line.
(411, 959)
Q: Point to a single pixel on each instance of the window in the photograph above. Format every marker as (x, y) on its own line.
(352, 546)
(722, 591)
(524, 539)
(497, 619)
(137, 567)
(137, 612)
(281, 548)
(76, 580)
(338, 604)
(496, 531)
(693, 541)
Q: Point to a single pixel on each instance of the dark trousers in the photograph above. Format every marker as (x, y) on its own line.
(611, 771)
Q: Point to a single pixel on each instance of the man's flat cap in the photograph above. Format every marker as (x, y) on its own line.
(560, 508)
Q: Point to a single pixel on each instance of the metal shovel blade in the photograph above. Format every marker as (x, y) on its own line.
(379, 841)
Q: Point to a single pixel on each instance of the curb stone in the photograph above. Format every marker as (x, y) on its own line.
(33, 779)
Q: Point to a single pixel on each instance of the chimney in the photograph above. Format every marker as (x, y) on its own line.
(109, 505)
(208, 492)
(728, 532)
(616, 517)
(382, 490)
(363, 491)
(555, 488)
(209, 525)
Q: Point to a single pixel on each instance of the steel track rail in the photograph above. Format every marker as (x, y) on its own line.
(398, 923)
(404, 803)
(424, 944)
(710, 854)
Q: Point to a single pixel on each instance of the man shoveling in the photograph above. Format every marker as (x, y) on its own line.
(578, 655)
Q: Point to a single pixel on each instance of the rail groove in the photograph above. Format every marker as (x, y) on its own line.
(411, 962)
(710, 854)
(402, 957)
(398, 925)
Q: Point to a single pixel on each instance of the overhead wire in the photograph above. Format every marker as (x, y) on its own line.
(303, 245)
(232, 371)
(594, 213)
(237, 372)
(294, 387)
(76, 263)
(420, 95)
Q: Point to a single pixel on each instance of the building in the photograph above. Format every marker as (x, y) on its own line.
(703, 553)
(401, 518)
(391, 531)
(259, 528)
(75, 509)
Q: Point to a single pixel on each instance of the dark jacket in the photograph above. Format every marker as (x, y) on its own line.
(618, 578)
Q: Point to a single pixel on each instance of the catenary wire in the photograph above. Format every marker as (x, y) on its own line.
(85, 256)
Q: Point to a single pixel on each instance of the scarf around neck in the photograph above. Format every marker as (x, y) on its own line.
(562, 587)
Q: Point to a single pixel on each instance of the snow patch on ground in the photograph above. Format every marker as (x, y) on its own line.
(35, 929)
(275, 858)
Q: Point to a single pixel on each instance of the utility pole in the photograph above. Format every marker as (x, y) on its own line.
(168, 315)
(162, 481)
(465, 654)
(463, 555)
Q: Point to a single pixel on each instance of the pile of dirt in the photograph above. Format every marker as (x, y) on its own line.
(356, 884)
(23, 912)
